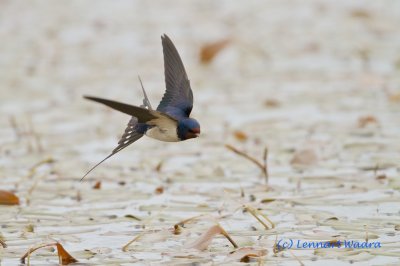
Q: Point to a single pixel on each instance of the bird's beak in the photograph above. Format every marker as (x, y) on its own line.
(196, 131)
(193, 133)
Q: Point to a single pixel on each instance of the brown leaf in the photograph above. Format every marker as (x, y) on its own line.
(63, 256)
(304, 157)
(246, 253)
(360, 13)
(8, 198)
(380, 177)
(366, 120)
(271, 103)
(97, 185)
(240, 135)
(209, 51)
(159, 166)
(205, 239)
(159, 190)
(394, 97)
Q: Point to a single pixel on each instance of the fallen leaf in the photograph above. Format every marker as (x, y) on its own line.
(304, 157)
(64, 257)
(8, 198)
(209, 51)
(394, 97)
(205, 239)
(159, 190)
(380, 177)
(366, 120)
(244, 254)
(271, 103)
(97, 185)
(360, 13)
(240, 135)
(30, 228)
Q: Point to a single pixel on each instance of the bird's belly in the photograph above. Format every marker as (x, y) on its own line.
(165, 134)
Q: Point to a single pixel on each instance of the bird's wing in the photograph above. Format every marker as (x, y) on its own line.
(178, 97)
(141, 119)
(130, 135)
(145, 116)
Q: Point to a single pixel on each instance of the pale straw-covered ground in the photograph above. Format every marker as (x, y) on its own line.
(317, 82)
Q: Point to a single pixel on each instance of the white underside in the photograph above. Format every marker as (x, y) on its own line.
(164, 129)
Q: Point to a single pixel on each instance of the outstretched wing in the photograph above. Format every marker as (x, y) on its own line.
(142, 119)
(132, 133)
(178, 97)
(143, 115)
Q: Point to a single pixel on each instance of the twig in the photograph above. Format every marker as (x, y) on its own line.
(15, 127)
(27, 254)
(255, 213)
(276, 249)
(301, 263)
(34, 134)
(32, 170)
(263, 166)
(265, 159)
(125, 247)
(178, 226)
(182, 223)
(3, 244)
(225, 234)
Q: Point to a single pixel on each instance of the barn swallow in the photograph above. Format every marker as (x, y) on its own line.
(170, 121)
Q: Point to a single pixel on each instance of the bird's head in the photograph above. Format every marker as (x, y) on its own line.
(188, 128)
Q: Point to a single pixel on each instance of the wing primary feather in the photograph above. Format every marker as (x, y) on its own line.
(143, 115)
(146, 101)
(178, 93)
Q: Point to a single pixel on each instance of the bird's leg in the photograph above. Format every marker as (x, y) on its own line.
(146, 102)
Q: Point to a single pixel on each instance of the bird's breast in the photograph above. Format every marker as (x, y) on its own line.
(168, 134)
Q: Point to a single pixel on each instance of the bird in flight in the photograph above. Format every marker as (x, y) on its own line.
(170, 121)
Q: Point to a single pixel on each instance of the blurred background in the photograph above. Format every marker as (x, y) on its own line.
(316, 82)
